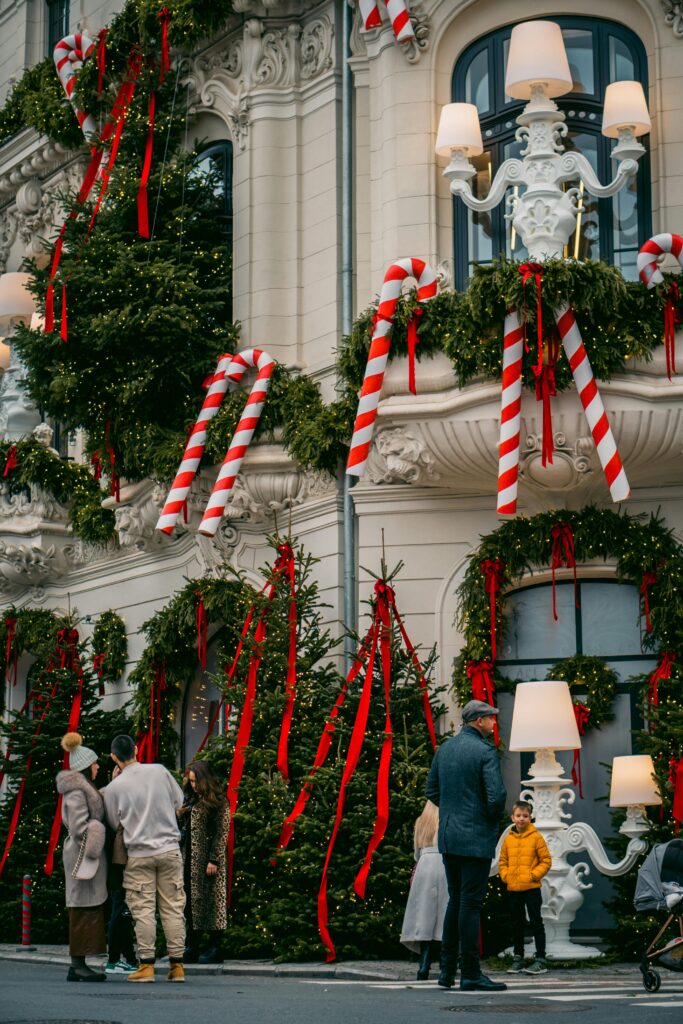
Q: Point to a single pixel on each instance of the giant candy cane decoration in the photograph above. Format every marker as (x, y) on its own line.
(651, 275)
(194, 449)
(510, 419)
(69, 55)
(398, 14)
(264, 364)
(379, 352)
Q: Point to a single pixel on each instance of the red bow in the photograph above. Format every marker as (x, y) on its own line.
(96, 463)
(662, 672)
(582, 715)
(535, 271)
(649, 580)
(480, 675)
(12, 461)
(494, 572)
(67, 648)
(412, 342)
(164, 16)
(671, 318)
(101, 57)
(563, 555)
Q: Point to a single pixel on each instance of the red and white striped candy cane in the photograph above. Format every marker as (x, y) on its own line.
(398, 15)
(194, 449)
(379, 352)
(649, 271)
(510, 415)
(592, 404)
(69, 55)
(251, 357)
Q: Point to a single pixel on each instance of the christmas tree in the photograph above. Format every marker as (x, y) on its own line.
(56, 677)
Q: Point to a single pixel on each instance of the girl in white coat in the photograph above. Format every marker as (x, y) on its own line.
(428, 897)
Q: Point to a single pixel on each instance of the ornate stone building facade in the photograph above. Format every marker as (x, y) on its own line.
(272, 85)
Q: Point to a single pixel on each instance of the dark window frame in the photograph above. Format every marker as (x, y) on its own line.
(58, 17)
(580, 103)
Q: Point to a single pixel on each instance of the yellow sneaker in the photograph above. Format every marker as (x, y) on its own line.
(176, 973)
(145, 972)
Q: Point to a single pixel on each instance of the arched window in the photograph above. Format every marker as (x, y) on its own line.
(599, 52)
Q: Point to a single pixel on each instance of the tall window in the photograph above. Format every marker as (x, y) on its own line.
(599, 52)
(57, 22)
(215, 165)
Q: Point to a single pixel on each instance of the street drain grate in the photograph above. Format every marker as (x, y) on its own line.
(519, 1008)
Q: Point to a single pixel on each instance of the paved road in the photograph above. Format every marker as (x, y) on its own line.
(39, 994)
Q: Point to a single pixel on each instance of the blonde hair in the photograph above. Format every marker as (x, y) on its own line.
(427, 826)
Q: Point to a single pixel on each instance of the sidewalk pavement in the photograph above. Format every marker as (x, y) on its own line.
(348, 970)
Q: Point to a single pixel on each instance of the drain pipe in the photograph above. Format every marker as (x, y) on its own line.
(348, 511)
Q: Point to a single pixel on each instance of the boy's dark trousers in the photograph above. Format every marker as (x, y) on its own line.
(530, 900)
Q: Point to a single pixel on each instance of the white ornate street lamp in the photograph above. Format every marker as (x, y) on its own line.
(542, 213)
(543, 721)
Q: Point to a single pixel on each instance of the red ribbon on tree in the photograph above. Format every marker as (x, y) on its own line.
(12, 462)
(671, 320)
(563, 557)
(67, 649)
(284, 567)
(11, 648)
(202, 629)
(582, 715)
(546, 388)
(164, 17)
(493, 570)
(480, 675)
(534, 271)
(115, 483)
(143, 214)
(662, 672)
(676, 780)
(101, 58)
(98, 669)
(422, 682)
(413, 339)
(96, 463)
(649, 580)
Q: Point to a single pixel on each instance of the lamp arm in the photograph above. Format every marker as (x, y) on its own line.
(509, 172)
(575, 165)
(581, 836)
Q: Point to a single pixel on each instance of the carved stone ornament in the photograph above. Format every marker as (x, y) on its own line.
(398, 457)
(571, 462)
(411, 50)
(673, 16)
(136, 515)
(264, 57)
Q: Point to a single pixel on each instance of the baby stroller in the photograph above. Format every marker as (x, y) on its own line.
(660, 887)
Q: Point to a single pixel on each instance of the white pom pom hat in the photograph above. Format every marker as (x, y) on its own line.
(80, 757)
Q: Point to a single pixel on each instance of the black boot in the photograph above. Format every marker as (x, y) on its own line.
(191, 954)
(448, 967)
(79, 971)
(425, 961)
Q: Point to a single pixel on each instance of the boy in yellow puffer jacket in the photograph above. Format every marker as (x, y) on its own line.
(524, 860)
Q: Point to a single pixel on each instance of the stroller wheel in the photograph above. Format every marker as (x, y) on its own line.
(651, 981)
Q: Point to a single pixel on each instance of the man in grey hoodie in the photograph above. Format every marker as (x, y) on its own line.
(143, 800)
(466, 784)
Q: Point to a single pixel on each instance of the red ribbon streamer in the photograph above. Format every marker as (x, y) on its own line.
(143, 214)
(493, 570)
(662, 672)
(10, 648)
(101, 58)
(164, 16)
(480, 675)
(352, 756)
(535, 271)
(422, 682)
(12, 461)
(98, 669)
(582, 715)
(676, 779)
(115, 483)
(649, 580)
(202, 630)
(287, 568)
(96, 463)
(671, 320)
(546, 388)
(563, 557)
(384, 595)
(413, 339)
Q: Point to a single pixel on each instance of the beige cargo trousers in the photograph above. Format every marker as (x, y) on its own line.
(152, 882)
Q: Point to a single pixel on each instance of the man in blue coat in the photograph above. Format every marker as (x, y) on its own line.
(466, 784)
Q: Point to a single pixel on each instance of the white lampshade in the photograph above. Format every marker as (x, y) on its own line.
(16, 301)
(543, 716)
(537, 54)
(625, 107)
(459, 129)
(633, 781)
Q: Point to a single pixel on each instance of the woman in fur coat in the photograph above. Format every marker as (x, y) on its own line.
(428, 897)
(85, 863)
(204, 822)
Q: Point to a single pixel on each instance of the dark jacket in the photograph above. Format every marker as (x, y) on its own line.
(466, 784)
